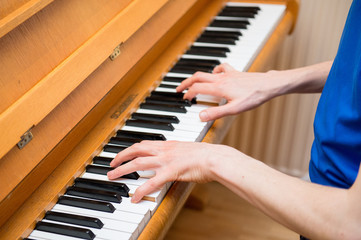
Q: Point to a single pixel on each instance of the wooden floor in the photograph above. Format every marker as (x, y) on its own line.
(226, 217)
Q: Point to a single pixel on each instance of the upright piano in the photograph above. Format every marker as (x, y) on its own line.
(82, 80)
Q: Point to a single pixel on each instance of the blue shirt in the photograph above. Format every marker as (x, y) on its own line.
(336, 150)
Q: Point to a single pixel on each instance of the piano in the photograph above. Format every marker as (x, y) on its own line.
(80, 81)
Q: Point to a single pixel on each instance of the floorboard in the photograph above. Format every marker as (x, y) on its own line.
(226, 216)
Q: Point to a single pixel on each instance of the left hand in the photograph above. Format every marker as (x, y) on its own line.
(171, 161)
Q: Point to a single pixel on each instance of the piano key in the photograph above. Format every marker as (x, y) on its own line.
(150, 124)
(88, 204)
(173, 79)
(104, 170)
(41, 235)
(124, 141)
(76, 232)
(141, 135)
(123, 207)
(229, 24)
(189, 117)
(220, 40)
(168, 100)
(132, 185)
(114, 224)
(120, 188)
(163, 107)
(102, 160)
(167, 85)
(116, 215)
(99, 233)
(178, 135)
(94, 194)
(198, 63)
(190, 69)
(155, 117)
(113, 148)
(207, 51)
(74, 219)
(231, 34)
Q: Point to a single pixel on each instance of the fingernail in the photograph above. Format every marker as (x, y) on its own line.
(134, 200)
(204, 116)
(110, 174)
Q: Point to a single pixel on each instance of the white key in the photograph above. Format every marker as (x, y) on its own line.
(112, 224)
(170, 135)
(116, 215)
(99, 233)
(50, 236)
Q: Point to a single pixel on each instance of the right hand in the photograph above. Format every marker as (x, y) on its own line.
(242, 90)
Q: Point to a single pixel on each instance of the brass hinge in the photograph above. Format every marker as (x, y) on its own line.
(25, 139)
(116, 52)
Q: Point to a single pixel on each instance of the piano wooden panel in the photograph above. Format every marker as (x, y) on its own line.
(82, 123)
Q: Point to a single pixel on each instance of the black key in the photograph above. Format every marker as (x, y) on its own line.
(74, 219)
(141, 135)
(228, 13)
(163, 107)
(94, 194)
(155, 117)
(205, 52)
(190, 69)
(172, 100)
(117, 187)
(251, 9)
(104, 170)
(178, 95)
(173, 79)
(113, 149)
(124, 141)
(169, 101)
(220, 34)
(198, 62)
(240, 24)
(86, 203)
(217, 40)
(102, 160)
(149, 124)
(233, 34)
(167, 86)
(76, 232)
(208, 51)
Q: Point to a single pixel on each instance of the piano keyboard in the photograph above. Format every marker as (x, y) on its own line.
(96, 208)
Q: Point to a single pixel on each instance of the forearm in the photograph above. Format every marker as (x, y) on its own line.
(316, 211)
(310, 79)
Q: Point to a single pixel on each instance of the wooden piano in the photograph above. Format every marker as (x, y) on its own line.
(71, 74)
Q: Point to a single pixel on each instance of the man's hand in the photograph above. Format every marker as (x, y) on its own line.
(243, 91)
(171, 161)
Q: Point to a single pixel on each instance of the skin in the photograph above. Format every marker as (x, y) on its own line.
(301, 206)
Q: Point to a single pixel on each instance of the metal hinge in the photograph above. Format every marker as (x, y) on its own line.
(116, 52)
(25, 139)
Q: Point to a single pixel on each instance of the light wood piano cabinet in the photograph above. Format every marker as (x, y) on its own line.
(62, 96)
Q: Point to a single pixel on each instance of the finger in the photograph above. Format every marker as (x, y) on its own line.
(224, 67)
(202, 88)
(150, 186)
(197, 77)
(137, 150)
(138, 164)
(214, 113)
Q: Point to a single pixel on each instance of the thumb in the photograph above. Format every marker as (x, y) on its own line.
(214, 113)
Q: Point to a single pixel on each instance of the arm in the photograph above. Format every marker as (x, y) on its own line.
(312, 210)
(244, 91)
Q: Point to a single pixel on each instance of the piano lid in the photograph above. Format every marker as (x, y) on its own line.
(50, 54)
